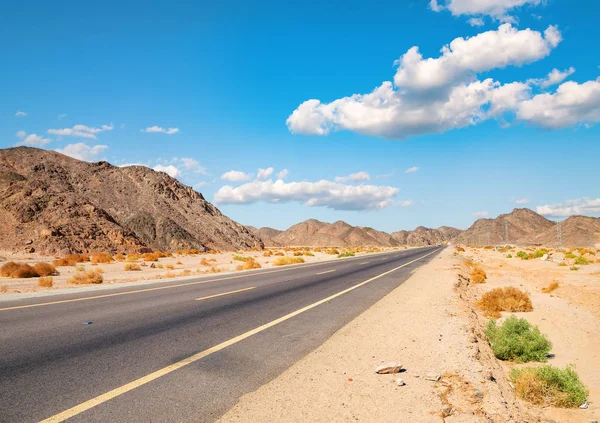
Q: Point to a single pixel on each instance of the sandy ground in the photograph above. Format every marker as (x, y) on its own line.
(182, 266)
(430, 325)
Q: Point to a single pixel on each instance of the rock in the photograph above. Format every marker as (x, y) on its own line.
(388, 368)
(478, 393)
(432, 376)
(584, 405)
(400, 382)
(544, 257)
(447, 411)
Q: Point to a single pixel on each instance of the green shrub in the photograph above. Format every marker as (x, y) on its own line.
(549, 385)
(581, 260)
(539, 253)
(242, 258)
(346, 254)
(574, 268)
(523, 255)
(570, 255)
(509, 256)
(516, 339)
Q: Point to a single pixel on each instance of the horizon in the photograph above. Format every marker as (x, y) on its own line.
(383, 125)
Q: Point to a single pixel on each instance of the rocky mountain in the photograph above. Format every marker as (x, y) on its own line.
(576, 231)
(54, 204)
(266, 234)
(518, 226)
(426, 236)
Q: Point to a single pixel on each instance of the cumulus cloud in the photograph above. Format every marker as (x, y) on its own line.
(32, 140)
(522, 201)
(81, 131)
(62, 115)
(170, 170)
(579, 206)
(282, 174)
(480, 214)
(323, 193)
(20, 114)
(411, 169)
(571, 104)
(82, 151)
(476, 22)
(554, 77)
(264, 173)
(354, 177)
(434, 95)
(236, 176)
(497, 9)
(168, 131)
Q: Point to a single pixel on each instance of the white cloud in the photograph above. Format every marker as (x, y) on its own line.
(282, 174)
(62, 115)
(82, 151)
(170, 170)
(497, 9)
(480, 214)
(522, 201)
(354, 177)
(32, 140)
(554, 77)
(407, 203)
(411, 169)
(20, 114)
(476, 22)
(579, 206)
(437, 94)
(168, 131)
(236, 176)
(189, 163)
(264, 173)
(322, 193)
(571, 104)
(200, 185)
(81, 131)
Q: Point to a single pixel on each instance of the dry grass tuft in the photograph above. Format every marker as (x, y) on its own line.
(554, 285)
(333, 251)
(71, 260)
(45, 282)
(18, 270)
(460, 249)
(504, 299)
(478, 275)
(86, 278)
(45, 269)
(267, 253)
(101, 258)
(130, 267)
(170, 266)
(249, 264)
(284, 261)
(150, 257)
(214, 269)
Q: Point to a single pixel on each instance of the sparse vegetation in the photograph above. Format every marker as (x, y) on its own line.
(86, 278)
(554, 285)
(101, 258)
(333, 251)
(17, 270)
(242, 258)
(509, 255)
(151, 256)
(249, 264)
(562, 263)
(460, 249)
(45, 269)
(346, 254)
(517, 340)
(549, 385)
(130, 267)
(478, 275)
(581, 261)
(283, 261)
(45, 282)
(573, 268)
(523, 255)
(170, 266)
(504, 299)
(71, 260)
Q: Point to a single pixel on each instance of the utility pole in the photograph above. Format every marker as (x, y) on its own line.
(559, 236)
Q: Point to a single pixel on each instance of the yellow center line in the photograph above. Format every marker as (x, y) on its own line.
(91, 403)
(327, 271)
(225, 293)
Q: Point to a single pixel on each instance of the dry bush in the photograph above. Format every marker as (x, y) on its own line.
(214, 269)
(554, 285)
(278, 253)
(130, 267)
(71, 260)
(562, 263)
(45, 269)
(460, 249)
(86, 278)
(101, 258)
(504, 299)
(8, 268)
(178, 262)
(298, 253)
(3, 289)
(249, 264)
(333, 251)
(241, 258)
(45, 282)
(267, 253)
(283, 261)
(478, 275)
(121, 257)
(18, 270)
(170, 266)
(309, 254)
(150, 257)
(204, 262)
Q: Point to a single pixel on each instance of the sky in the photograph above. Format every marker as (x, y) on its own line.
(383, 114)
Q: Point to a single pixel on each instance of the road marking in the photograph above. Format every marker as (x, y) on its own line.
(293, 267)
(364, 262)
(100, 399)
(327, 271)
(225, 293)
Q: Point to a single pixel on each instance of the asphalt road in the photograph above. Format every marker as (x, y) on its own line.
(179, 351)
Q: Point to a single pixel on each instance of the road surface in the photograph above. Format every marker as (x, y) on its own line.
(180, 351)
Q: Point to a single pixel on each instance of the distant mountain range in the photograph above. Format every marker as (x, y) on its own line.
(54, 204)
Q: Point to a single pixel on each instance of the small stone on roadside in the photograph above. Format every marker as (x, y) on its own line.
(432, 376)
(478, 393)
(388, 368)
(584, 405)
(400, 382)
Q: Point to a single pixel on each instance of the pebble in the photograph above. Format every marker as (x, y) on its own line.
(400, 382)
(432, 376)
(388, 368)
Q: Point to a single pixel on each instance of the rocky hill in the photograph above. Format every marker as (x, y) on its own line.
(426, 236)
(266, 234)
(577, 231)
(54, 204)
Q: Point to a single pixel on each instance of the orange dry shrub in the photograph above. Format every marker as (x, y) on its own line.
(86, 278)
(333, 251)
(71, 260)
(554, 285)
(45, 269)
(130, 267)
(249, 264)
(17, 270)
(297, 253)
(45, 282)
(121, 257)
(478, 275)
(460, 249)
(150, 256)
(204, 262)
(169, 266)
(504, 299)
(278, 253)
(268, 253)
(214, 269)
(101, 258)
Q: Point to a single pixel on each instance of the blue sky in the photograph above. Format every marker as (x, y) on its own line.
(108, 80)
